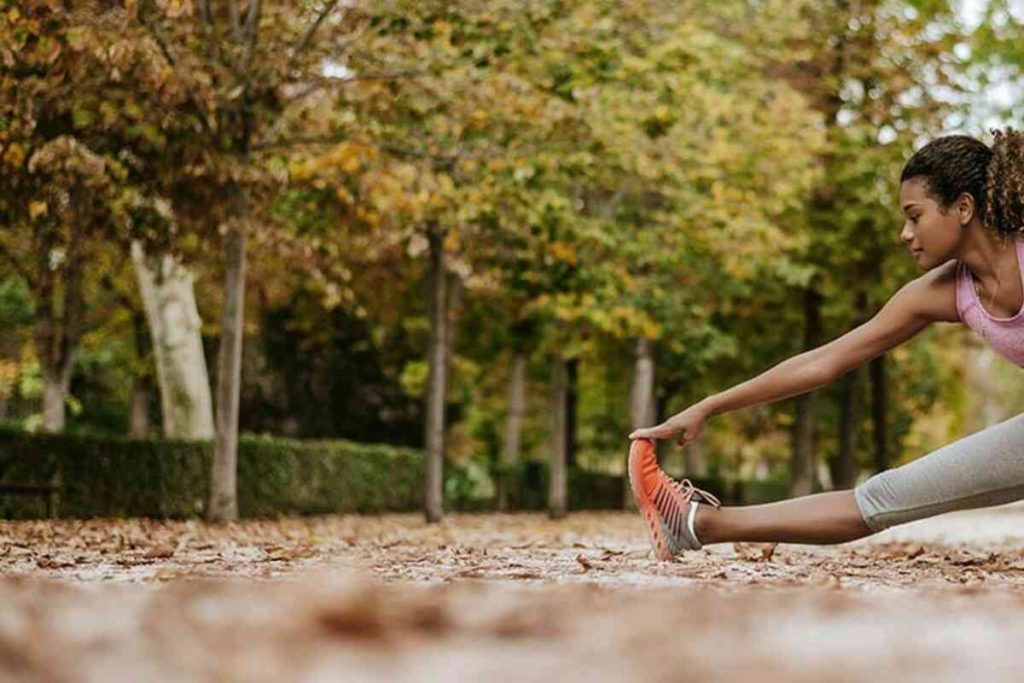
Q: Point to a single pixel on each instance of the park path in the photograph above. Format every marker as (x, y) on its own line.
(504, 597)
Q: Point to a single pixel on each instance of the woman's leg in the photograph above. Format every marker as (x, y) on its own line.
(831, 517)
(980, 470)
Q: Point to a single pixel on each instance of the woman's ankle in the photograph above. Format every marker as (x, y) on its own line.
(707, 524)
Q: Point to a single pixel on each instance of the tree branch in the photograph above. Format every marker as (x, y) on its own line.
(236, 23)
(443, 160)
(165, 50)
(326, 82)
(16, 265)
(252, 24)
(204, 12)
(307, 37)
(206, 29)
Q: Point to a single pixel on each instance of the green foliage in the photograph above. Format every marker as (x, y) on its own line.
(103, 476)
(602, 171)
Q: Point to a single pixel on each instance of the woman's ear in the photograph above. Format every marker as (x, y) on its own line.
(965, 208)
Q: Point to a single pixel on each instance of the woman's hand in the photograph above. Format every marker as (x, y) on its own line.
(685, 425)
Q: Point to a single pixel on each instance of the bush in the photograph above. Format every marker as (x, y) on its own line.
(111, 477)
(101, 476)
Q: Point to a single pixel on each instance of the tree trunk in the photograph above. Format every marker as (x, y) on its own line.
(55, 391)
(57, 339)
(572, 367)
(879, 398)
(557, 479)
(142, 383)
(641, 400)
(138, 427)
(844, 471)
(437, 381)
(844, 465)
(694, 461)
(168, 296)
(801, 468)
(223, 480)
(453, 305)
(513, 427)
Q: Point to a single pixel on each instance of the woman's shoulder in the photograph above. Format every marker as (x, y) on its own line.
(936, 292)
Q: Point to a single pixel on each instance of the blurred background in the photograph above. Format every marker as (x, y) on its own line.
(448, 254)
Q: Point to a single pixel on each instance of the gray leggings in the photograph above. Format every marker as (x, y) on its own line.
(982, 469)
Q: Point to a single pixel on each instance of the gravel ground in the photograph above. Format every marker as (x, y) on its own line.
(506, 597)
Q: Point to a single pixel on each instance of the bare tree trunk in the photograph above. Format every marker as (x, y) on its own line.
(57, 340)
(437, 381)
(642, 408)
(879, 399)
(694, 461)
(138, 427)
(844, 466)
(223, 481)
(572, 386)
(844, 474)
(168, 296)
(453, 305)
(55, 391)
(142, 383)
(557, 479)
(801, 468)
(513, 427)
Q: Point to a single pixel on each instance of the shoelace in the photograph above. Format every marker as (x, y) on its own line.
(686, 487)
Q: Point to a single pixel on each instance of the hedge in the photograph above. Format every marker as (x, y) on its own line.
(112, 477)
(116, 477)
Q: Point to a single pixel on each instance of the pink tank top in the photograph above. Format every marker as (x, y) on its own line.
(1004, 335)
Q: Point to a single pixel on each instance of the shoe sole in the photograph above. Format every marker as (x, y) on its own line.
(644, 503)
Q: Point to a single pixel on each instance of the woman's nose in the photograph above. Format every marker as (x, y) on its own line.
(906, 235)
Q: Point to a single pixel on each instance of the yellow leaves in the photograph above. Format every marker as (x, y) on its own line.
(15, 155)
(175, 9)
(13, 15)
(442, 31)
(444, 182)
(451, 240)
(478, 119)
(349, 157)
(662, 113)
(651, 329)
(343, 195)
(372, 218)
(564, 251)
(37, 209)
(9, 371)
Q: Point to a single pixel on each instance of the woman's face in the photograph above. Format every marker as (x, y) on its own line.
(931, 235)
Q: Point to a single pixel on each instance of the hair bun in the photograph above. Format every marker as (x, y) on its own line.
(1004, 185)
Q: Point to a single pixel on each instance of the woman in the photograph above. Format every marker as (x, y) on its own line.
(964, 209)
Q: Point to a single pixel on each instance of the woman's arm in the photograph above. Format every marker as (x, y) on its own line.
(917, 304)
(927, 299)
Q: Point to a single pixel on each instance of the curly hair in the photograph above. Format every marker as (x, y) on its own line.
(954, 164)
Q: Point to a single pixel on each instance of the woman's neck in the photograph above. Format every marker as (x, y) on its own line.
(991, 258)
(993, 262)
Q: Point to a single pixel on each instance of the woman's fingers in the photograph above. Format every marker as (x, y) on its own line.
(647, 433)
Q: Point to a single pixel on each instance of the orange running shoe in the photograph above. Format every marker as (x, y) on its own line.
(667, 505)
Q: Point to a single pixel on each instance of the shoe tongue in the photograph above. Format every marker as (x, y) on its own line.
(703, 497)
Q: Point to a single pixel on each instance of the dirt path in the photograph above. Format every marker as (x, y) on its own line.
(387, 598)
